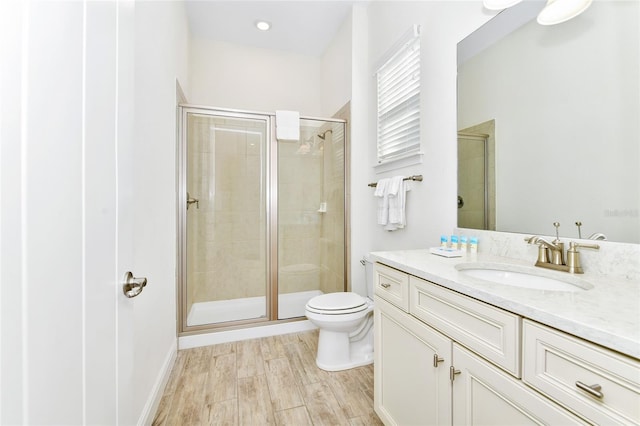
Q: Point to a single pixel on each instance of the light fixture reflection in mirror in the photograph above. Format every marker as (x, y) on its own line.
(555, 12)
(559, 11)
(565, 104)
(499, 4)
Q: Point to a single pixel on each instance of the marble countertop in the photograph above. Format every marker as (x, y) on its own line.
(607, 314)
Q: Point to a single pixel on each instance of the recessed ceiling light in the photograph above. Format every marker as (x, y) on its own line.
(263, 25)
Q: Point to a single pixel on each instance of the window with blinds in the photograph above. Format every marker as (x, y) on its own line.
(398, 80)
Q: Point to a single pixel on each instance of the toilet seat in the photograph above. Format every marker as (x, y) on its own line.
(337, 303)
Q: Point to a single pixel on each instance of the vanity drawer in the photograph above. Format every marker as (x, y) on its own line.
(557, 364)
(486, 330)
(392, 285)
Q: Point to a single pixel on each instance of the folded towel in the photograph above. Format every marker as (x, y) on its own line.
(397, 189)
(288, 125)
(383, 202)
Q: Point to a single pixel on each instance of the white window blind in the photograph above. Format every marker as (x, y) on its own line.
(398, 90)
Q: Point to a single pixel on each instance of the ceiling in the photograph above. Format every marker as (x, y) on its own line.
(304, 27)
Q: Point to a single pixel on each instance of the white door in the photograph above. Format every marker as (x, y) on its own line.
(125, 163)
(66, 74)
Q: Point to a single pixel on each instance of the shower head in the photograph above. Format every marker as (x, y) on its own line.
(324, 135)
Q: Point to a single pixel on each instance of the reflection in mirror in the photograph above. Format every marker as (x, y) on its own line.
(565, 105)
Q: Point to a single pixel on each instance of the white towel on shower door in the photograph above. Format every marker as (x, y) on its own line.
(288, 125)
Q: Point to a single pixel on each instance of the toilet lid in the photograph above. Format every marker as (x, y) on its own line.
(338, 302)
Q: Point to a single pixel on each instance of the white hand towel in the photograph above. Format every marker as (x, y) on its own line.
(397, 202)
(383, 202)
(288, 125)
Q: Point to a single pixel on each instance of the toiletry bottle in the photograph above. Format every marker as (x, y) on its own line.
(463, 244)
(444, 242)
(473, 245)
(454, 242)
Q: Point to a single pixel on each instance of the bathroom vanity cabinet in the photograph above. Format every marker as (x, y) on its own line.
(442, 358)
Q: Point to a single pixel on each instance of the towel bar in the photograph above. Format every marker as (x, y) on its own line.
(414, 177)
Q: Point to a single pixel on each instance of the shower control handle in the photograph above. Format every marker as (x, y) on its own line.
(131, 286)
(191, 201)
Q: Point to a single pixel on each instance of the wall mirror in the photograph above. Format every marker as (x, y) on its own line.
(554, 116)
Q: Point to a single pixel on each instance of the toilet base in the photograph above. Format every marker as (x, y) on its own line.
(366, 360)
(337, 352)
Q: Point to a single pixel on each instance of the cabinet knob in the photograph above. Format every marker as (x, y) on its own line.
(385, 285)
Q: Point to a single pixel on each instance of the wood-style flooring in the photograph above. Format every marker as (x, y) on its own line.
(272, 380)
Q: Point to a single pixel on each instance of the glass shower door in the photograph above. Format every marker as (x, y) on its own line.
(226, 217)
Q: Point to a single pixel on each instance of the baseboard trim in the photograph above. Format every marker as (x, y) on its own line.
(206, 339)
(153, 402)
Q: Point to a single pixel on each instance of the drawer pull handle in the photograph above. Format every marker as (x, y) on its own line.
(436, 360)
(385, 285)
(593, 390)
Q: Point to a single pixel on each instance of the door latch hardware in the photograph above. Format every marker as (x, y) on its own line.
(191, 200)
(131, 286)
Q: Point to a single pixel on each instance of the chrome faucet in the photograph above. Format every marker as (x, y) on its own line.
(551, 254)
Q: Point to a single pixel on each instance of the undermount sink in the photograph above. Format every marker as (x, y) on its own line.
(522, 276)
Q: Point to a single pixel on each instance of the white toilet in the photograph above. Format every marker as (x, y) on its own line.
(345, 321)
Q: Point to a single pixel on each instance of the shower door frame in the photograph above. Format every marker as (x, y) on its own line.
(271, 215)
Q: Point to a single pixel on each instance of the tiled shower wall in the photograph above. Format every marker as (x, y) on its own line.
(299, 222)
(332, 240)
(311, 242)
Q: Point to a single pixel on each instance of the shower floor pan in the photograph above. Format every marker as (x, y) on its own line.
(290, 305)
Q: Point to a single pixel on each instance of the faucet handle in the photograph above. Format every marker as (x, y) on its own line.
(573, 246)
(557, 225)
(573, 256)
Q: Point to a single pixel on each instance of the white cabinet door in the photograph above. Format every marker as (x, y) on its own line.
(484, 395)
(411, 388)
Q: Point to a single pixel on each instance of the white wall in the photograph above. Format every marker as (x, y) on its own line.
(336, 70)
(161, 54)
(431, 206)
(360, 165)
(227, 75)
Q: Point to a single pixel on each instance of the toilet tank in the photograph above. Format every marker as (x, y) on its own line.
(368, 270)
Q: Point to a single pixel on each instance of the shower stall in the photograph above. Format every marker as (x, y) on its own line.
(261, 222)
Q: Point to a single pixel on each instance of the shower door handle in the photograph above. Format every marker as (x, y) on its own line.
(191, 201)
(131, 286)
